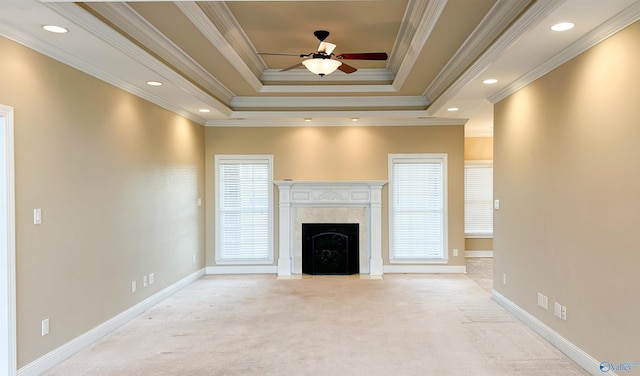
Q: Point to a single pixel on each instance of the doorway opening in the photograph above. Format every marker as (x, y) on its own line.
(8, 365)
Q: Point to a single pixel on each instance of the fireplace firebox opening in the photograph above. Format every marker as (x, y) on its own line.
(330, 248)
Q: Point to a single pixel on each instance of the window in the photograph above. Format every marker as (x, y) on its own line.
(244, 197)
(417, 207)
(478, 199)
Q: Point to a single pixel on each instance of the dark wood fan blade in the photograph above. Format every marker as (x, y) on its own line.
(346, 68)
(291, 67)
(364, 56)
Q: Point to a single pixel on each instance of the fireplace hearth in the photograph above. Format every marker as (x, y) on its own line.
(330, 248)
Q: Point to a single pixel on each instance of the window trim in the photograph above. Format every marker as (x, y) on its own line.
(221, 158)
(476, 162)
(423, 157)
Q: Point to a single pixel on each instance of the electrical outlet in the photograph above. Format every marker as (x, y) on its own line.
(45, 327)
(563, 312)
(540, 299)
(145, 281)
(133, 286)
(152, 278)
(504, 279)
(455, 252)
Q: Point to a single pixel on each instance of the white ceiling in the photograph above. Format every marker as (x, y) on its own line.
(206, 54)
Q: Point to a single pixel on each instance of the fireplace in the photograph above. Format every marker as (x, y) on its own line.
(330, 248)
(329, 202)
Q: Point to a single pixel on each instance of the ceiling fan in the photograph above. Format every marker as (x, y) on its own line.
(324, 61)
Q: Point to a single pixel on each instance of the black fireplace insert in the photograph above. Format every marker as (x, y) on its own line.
(330, 248)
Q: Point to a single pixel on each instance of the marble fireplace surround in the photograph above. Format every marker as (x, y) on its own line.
(336, 201)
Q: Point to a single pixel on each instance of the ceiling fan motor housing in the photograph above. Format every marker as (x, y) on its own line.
(321, 34)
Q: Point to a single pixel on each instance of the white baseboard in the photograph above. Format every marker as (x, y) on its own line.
(426, 269)
(243, 269)
(55, 357)
(478, 254)
(576, 354)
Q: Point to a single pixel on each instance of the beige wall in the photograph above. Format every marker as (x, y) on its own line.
(117, 180)
(341, 153)
(566, 154)
(478, 149)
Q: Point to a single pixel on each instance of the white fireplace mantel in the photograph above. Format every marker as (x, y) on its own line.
(328, 194)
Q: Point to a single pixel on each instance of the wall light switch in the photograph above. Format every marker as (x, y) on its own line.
(504, 278)
(37, 216)
(557, 310)
(496, 204)
(152, 278)
(199, 202)
(145, 281)
(133, 286)
(45, 327)
(455, 251)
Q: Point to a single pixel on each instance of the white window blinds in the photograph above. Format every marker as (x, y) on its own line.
(417, 208)
(478, 199)
(244, 210)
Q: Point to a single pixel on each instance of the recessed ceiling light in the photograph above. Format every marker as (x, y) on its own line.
(307, 120)
(355, 119)
(452, 109)
(154, 83)
(563, 26)
(204, 110)
(55, 29)
(490, 81)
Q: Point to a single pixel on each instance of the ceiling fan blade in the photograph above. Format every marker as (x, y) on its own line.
(291, 67)
(364, 56)
(346, 68)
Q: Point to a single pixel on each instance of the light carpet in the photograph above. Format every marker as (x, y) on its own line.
(259, 325)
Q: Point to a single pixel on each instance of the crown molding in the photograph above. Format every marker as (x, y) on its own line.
(131, 22)
(303, 75)
(492, 25)
(328, 89)
(427, 22)
(221, 16)
(94, 70)
(534, 15)
(114, 39)
(410, 22)
(590, 40)
(328, 102)
(200, 20)
(335, 119)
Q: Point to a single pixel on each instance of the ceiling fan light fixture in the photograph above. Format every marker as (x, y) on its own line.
(321, 66)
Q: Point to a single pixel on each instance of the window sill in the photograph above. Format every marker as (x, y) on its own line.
(478, 236)
(420, 261)
(245, 262)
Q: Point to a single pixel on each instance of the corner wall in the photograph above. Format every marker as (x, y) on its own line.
(117, 179)
(566, 153)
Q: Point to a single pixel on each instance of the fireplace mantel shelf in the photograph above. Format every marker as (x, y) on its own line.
(333, 193)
